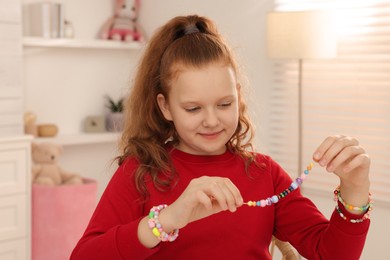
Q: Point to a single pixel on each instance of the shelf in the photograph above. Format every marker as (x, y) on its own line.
(81, 139)
(80, 43)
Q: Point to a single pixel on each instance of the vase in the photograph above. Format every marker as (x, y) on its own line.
(114, 122)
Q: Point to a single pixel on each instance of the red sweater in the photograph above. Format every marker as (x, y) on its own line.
(244, 234)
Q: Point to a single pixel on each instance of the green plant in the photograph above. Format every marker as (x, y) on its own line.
(114, 106)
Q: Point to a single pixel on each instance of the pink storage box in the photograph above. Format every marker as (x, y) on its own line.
(60, 215)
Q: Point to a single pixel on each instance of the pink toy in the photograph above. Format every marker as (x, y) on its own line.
(123, 26)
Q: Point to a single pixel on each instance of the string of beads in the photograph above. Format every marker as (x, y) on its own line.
(275, 198)
(158, 231)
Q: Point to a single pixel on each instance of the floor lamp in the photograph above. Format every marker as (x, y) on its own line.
(299, 36)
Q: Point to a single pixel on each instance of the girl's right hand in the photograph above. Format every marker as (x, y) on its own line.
(203, 197)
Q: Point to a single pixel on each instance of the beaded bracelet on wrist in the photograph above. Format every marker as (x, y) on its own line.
(367, 208)
(357, 220)
(276, 198)
(337, 197)
(156, 227)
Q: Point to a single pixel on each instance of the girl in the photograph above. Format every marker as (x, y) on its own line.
(187, 166)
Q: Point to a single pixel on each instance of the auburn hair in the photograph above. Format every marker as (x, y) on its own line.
(191, 41)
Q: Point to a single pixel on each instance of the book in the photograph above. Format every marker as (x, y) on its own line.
(43, 19)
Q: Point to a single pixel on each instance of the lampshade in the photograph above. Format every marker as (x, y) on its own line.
(301, 35)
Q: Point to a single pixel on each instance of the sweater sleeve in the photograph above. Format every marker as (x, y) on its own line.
(298, 221)
(112, 230)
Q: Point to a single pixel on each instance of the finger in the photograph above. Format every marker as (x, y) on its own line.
(324, 146)
(344, 157)
(205, 200)
(235, 192)
(230, 191)
(215, 191)
(335, 148)
(361, 160)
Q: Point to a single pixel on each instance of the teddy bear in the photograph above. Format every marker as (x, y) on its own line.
(46, 170)
(123, 25)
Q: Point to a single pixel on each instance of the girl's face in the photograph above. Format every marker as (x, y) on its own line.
(203, 105)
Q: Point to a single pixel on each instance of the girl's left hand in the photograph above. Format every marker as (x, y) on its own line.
(343, 156)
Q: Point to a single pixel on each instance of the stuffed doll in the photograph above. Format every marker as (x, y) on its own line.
(123, 26)
(46, 170)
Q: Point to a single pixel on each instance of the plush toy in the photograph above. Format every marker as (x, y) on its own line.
(123, 26)
(46, 169)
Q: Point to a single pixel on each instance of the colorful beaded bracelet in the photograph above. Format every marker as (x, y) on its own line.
(367, 207)
(156, 227)
(275, 198)
(358, 220)
(337, 197)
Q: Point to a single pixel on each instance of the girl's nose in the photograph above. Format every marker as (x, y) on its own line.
(210, 119)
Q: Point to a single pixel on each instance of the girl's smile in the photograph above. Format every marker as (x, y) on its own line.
(211, 136)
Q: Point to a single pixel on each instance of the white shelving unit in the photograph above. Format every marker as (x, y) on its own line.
(78, 139)
(79, 43)
(88, 44)
(65, 81)
(81, 139)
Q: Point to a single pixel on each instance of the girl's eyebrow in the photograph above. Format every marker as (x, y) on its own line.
(195, 102)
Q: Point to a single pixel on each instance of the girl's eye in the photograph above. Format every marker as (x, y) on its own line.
(226, 104)
(192, 109)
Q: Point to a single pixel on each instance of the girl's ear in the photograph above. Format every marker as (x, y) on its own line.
(164, 107)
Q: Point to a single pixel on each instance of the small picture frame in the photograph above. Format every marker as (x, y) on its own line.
(94, 124)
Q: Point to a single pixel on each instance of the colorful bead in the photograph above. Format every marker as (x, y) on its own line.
(276, 198)
(294, 185)
(156, 227)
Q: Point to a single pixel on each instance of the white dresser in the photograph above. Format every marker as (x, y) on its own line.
(11, 90)
(15, 198)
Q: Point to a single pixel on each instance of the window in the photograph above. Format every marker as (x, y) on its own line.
(348, 95)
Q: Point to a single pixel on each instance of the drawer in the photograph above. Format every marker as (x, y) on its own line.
(13, 172)
(14, 250)
(10, 75)
(10, 40)
(11, 106)
(13, 217)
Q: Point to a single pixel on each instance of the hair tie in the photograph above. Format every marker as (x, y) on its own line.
(190, 29)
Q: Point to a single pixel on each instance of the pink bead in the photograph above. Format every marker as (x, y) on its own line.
(263, 203)
(151, 223)
(303, 176)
